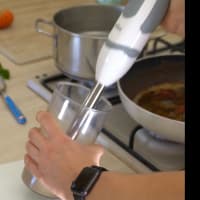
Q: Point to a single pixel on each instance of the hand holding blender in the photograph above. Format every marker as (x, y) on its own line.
(125, 42)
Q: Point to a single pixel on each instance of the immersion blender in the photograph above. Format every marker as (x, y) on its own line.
(119, 52)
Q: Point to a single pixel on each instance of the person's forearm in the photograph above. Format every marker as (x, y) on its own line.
(154, 186)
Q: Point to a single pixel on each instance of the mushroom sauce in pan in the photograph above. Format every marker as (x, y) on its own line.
(167, 99)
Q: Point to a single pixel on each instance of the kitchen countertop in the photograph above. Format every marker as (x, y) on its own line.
(13, 135)
(23, 31)
(12, 186)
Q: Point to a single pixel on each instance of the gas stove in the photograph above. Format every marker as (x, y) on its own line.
(122, 131)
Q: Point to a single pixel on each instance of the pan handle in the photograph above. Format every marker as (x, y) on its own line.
(38, 28)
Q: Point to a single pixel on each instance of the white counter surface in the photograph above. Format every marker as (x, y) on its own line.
(13, 188)
(11, 185)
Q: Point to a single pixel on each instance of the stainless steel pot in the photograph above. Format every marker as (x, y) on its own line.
(78, 34)
(148, 72)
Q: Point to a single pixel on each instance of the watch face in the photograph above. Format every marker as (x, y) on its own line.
(85, 181)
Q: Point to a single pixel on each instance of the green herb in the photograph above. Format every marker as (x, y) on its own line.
(4, 72)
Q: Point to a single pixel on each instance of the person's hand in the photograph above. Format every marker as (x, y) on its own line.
(174, 20)
(55, 159)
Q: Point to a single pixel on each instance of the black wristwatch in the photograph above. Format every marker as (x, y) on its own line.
(86, 181)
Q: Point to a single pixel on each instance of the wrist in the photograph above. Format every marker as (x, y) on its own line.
(65, 192)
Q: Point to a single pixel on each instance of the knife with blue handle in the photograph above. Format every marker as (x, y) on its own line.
(21, 119)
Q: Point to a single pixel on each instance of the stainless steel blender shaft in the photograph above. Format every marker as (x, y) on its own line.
(88, 104)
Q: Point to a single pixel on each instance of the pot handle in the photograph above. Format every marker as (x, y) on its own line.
(40, 30)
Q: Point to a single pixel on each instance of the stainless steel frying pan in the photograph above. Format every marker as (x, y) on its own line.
(145, 73)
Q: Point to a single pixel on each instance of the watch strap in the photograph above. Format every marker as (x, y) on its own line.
(77, 197)
(100, 170)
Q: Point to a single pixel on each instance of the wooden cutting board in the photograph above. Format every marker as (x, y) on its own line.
(20, 42)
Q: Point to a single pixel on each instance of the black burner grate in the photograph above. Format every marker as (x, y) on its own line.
(160, 45)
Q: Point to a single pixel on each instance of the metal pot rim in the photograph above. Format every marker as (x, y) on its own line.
(80, 35)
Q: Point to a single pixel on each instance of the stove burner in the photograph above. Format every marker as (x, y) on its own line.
(158, 151)
(151, 133)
